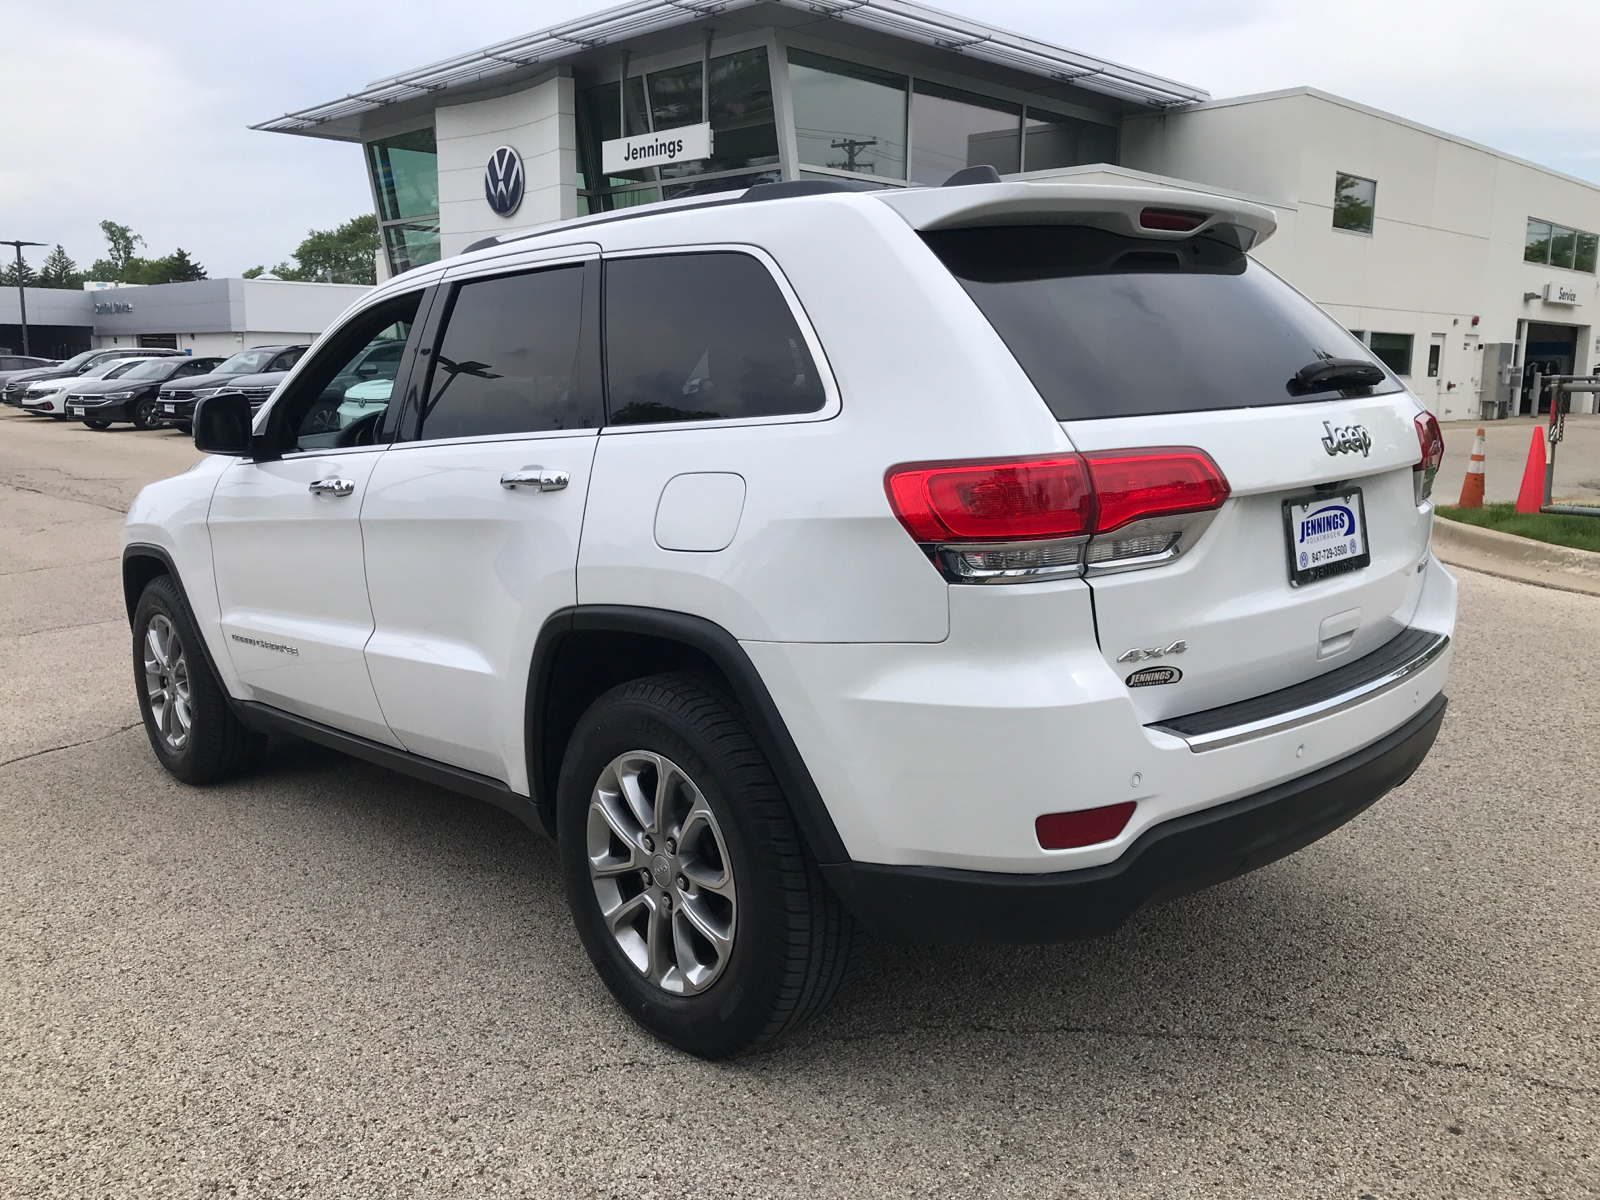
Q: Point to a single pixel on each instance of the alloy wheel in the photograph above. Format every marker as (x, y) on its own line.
(166, 683)
(661, 872)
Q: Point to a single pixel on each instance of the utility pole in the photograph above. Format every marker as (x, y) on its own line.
(22, 292)
(851, 147)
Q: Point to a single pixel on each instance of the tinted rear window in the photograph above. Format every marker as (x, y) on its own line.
(697, 337)
(1107, 325)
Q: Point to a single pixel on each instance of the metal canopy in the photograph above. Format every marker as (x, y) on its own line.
(897, 18)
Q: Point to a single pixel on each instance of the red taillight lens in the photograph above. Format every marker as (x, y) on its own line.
(1130, 485)
(1087, 826)
(1001, 500)
(1431, 440)
(1171, 218)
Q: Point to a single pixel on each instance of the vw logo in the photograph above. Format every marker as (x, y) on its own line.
(502, 181)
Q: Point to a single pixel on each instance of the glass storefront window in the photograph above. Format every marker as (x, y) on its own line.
(411, 244)
(743, 127)
(952, 130)
(1354, 203)
(1557, 246)
(405, 175)
(1058, 141)
(848, 117)
(1393, 350)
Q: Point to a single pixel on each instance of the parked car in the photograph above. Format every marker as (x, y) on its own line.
(79, 364)
(977, 563)
(48, 397)
(13, 364)
(178, 397)
(131, 396)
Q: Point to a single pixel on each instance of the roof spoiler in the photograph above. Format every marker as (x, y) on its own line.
(1152, 212)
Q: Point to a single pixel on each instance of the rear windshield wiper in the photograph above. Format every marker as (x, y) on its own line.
(1335, 374)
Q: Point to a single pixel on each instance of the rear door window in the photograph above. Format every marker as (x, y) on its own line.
(703, 337)
(1107, 325)
(517, 356)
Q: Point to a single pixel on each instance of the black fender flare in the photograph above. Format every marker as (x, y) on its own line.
(723, 649)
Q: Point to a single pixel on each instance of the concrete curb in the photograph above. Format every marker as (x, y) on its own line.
(1564, 568)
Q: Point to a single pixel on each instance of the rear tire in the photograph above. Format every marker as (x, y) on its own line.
(146, 413)
(721, 943)
(186, 715)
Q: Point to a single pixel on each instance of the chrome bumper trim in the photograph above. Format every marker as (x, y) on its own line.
(1305, 714)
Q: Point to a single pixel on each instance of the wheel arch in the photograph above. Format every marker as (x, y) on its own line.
(584, 651)
(142, 562)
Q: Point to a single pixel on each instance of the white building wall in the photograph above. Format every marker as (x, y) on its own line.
(1447, 240)
(540, 124)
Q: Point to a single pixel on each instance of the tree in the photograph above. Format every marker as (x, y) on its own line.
(59, 271)
(341, 255)
(123, 242)
(10, 270)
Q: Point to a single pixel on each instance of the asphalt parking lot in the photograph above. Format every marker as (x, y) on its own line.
(328, 980)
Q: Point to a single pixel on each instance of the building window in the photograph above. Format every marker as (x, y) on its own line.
(744, 131)
(405, 176)
(1433, 360)
(1057, 141)
(1354, 200)
(1393, 350)
(848, 117)
(953, 130)
(1558, 246)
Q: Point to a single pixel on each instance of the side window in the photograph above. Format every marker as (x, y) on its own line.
(698, 337)
(331, 404)
(198, 367)
(287, 359)
(514, 357)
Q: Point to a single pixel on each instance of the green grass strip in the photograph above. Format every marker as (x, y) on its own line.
(1559, 529)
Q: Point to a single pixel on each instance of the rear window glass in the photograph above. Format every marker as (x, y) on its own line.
(1107, 325)
(698, 337)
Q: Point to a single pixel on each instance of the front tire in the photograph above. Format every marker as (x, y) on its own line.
(98, 423)
(146, 414)
(688, 882)
(191, 728)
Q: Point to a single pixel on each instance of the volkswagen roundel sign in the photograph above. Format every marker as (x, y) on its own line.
(502, 181)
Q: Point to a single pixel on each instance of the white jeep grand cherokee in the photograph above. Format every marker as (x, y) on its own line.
(977, 563)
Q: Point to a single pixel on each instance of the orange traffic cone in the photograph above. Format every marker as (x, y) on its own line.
(1531, 495)
(1472, 485)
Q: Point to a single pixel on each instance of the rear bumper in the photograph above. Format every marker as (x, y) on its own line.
(1184, 854)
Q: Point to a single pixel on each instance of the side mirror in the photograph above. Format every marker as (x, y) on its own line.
(222, 424)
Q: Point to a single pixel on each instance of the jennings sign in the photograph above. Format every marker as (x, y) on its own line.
(687, 143)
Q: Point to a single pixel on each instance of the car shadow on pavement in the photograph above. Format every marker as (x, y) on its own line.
(1311, 949)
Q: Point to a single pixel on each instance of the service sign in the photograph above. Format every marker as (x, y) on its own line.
(687, 143)
(1560, 293)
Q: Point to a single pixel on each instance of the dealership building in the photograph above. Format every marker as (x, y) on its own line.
(1463, 268)
(207, 317)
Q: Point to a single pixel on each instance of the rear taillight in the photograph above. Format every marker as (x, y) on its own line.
(1015, 520)
(1431, 440)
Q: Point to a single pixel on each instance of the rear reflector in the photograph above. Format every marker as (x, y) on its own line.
(996, 500)
(1167, 481)
(1086, 827)
(1171, 218)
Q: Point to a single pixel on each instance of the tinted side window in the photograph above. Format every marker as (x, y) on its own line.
(697, 337)
(287, 359)
(513, 358)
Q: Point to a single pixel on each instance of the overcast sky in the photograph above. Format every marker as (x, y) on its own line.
(139, 112)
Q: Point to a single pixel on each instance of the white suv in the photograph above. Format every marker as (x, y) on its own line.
(977, 563)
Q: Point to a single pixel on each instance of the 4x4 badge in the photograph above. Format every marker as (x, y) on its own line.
(1346, 439)
(1137, 654)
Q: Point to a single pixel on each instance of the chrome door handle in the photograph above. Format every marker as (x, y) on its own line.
(332, 487)
(535, 477)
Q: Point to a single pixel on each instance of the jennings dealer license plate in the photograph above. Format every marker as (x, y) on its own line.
(1327, 535)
